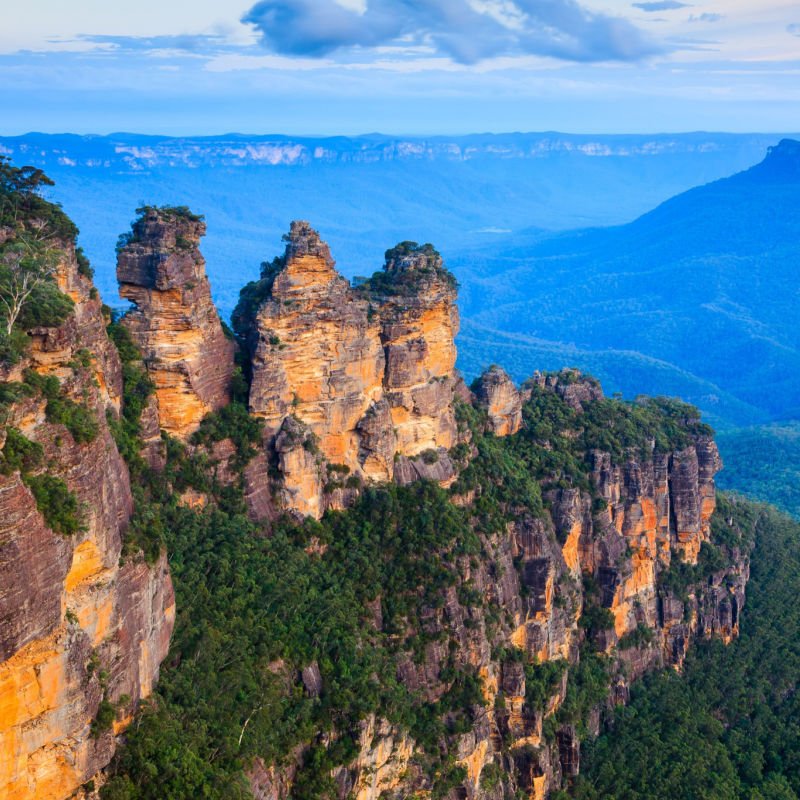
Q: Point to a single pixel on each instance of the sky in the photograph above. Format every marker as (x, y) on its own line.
(402, 67)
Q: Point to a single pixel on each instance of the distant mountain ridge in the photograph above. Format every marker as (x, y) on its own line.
(705, 284)
(459, 193)
(137, 152)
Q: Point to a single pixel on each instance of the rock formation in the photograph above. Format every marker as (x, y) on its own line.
(318, 355)
(416, 303)
(174, 322)
(642, 512)
(368, 371)
(595, 546)
(501, 399)
(79, 627)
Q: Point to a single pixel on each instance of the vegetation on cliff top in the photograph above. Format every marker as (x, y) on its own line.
(409, 268)
(31, 233)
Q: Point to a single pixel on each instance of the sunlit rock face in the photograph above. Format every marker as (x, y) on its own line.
(319, 357)
(501, 399)
(416, 302)
(369, 371)
(77, 623)
(174, 322)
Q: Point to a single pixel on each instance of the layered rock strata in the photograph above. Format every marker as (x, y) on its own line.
(78, 626)
(174, 322)
(608, 546)
(501, 399)
(367, 374)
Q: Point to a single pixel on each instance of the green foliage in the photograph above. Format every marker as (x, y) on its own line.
(587, 687)
(19, 453)
(35, 228)
(491, 777)
(168, 213)
(732, 526)
(77, 418)
(20, 200)
(253, 610)
(542, 682)
(251, 298)
(14, 346)
(726, 728)
(84, 267)
(57, 504)
(595, 619)
(430, 456)
(763, 463)
(639, 637)
(104, 719)
(397, 280)
(46, 308)
(136, 390)
(235, 423)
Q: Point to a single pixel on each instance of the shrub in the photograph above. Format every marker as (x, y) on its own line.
(19, 453)
(641, 636)
(57, 504)
(84, 267)
(104, 719)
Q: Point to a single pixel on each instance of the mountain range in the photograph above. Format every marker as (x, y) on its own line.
(363, 192)
(674, 288)
(696, 298)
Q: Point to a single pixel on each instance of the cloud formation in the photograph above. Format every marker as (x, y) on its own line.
(189, 43)
(661, 5)
(794, 29)
(468, 31)
(706, 17)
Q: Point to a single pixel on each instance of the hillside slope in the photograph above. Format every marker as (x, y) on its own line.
(696, 298)
(728, 727)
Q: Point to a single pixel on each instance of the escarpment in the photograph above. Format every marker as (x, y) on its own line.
(610, 564)
(82, 629)
(174, 322)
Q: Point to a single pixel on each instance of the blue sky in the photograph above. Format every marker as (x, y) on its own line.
(322, 67)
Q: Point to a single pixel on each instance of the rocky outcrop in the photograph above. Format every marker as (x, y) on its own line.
(416, 303)
(502, 401)
(78, 625)
(317, 356)
(546, 585)
(368, 371)
(174, 322)
(573, 387)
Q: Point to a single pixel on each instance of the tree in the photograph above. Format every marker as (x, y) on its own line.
(27, 261)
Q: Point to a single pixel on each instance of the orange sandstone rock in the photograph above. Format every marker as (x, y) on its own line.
(188, 357)
(66, 601)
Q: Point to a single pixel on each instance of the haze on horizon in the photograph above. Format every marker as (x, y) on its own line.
(400, 66)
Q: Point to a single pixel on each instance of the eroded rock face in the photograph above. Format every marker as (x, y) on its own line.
(69, 610)
(190, 360)
(503, 402)
(318, 357)
(416, 301)
(643, 511)
(370, 372)
(571, 385)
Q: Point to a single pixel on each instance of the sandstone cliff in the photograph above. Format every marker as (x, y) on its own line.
(82, 632)
(174, 322)
(368, 373)
(616, 570)
(552, 547)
